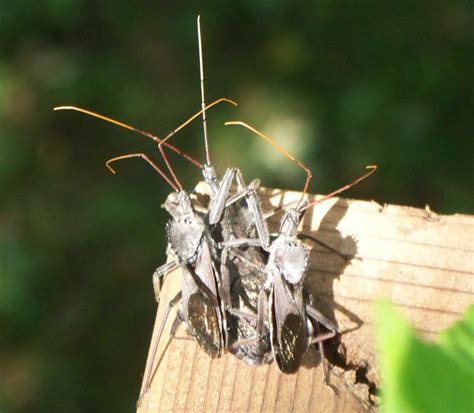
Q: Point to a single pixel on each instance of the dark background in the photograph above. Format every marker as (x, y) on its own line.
(341, 84)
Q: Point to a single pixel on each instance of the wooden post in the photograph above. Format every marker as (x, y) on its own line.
(423, 262)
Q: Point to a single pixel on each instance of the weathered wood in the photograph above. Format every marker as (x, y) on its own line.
(421, 261)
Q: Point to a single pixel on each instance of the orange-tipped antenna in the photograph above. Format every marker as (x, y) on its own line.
(147, 134)
(129, 127)
(203, 101)
(372, 169)
(173, 132)
(146, 158)
(279, 149)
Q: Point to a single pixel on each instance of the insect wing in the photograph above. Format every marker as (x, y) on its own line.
(201, 304)
(288, 327)
(201, 313)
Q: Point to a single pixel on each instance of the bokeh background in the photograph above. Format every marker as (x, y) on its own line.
(341, 84)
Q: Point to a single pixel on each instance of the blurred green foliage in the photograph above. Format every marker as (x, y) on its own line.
(340, 84)
(421, 377)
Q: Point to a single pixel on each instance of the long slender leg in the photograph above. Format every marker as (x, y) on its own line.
(238, 242)
(253, 204)
(322, 337)
(166, 268)
(246, 261)
(324, 362)
(150, 370)
(242, 192)
(320, 318)
(174, 328)
(319, 337)
(220, 198)
(242, 314)
(261, 311)
(259, 317)
(243, 342)
(159, 273)
(224, 285)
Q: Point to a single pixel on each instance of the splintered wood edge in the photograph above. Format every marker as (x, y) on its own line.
(421, 261)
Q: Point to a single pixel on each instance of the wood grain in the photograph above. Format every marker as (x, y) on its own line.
(421, 261)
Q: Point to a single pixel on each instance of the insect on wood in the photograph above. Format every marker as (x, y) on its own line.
(283, 303)
(204, 296)
(233, 215)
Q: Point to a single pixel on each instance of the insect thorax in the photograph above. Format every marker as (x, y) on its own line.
(290, 256)
(186, 228)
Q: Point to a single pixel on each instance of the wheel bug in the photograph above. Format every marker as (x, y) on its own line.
(283, 303)
(229, 217)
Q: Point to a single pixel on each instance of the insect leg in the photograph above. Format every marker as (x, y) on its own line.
(243, 191)
(158, 275)
(261, 311)
(243, 342)
(320, 318)
(324, 361)
(176, 323)
(251, 264)
(319, 337)
(242, 314)
(224, 286)
(219, 201)
(150, 372)
(238, 242)
(253, 203)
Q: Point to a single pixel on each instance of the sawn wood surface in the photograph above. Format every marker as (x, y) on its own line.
(421, 261)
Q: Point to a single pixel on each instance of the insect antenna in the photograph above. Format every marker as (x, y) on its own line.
(164, 141)
(155, 138)
(132, 128)
(201, 112)
(372, 169)
(279, 149)
(203, 104)
(150, 162)
(281, 208)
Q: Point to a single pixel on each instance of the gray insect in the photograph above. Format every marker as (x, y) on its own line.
(193, 250)
(283, 303)
(230, 215)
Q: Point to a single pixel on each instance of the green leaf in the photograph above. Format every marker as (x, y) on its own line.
(424, 377)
